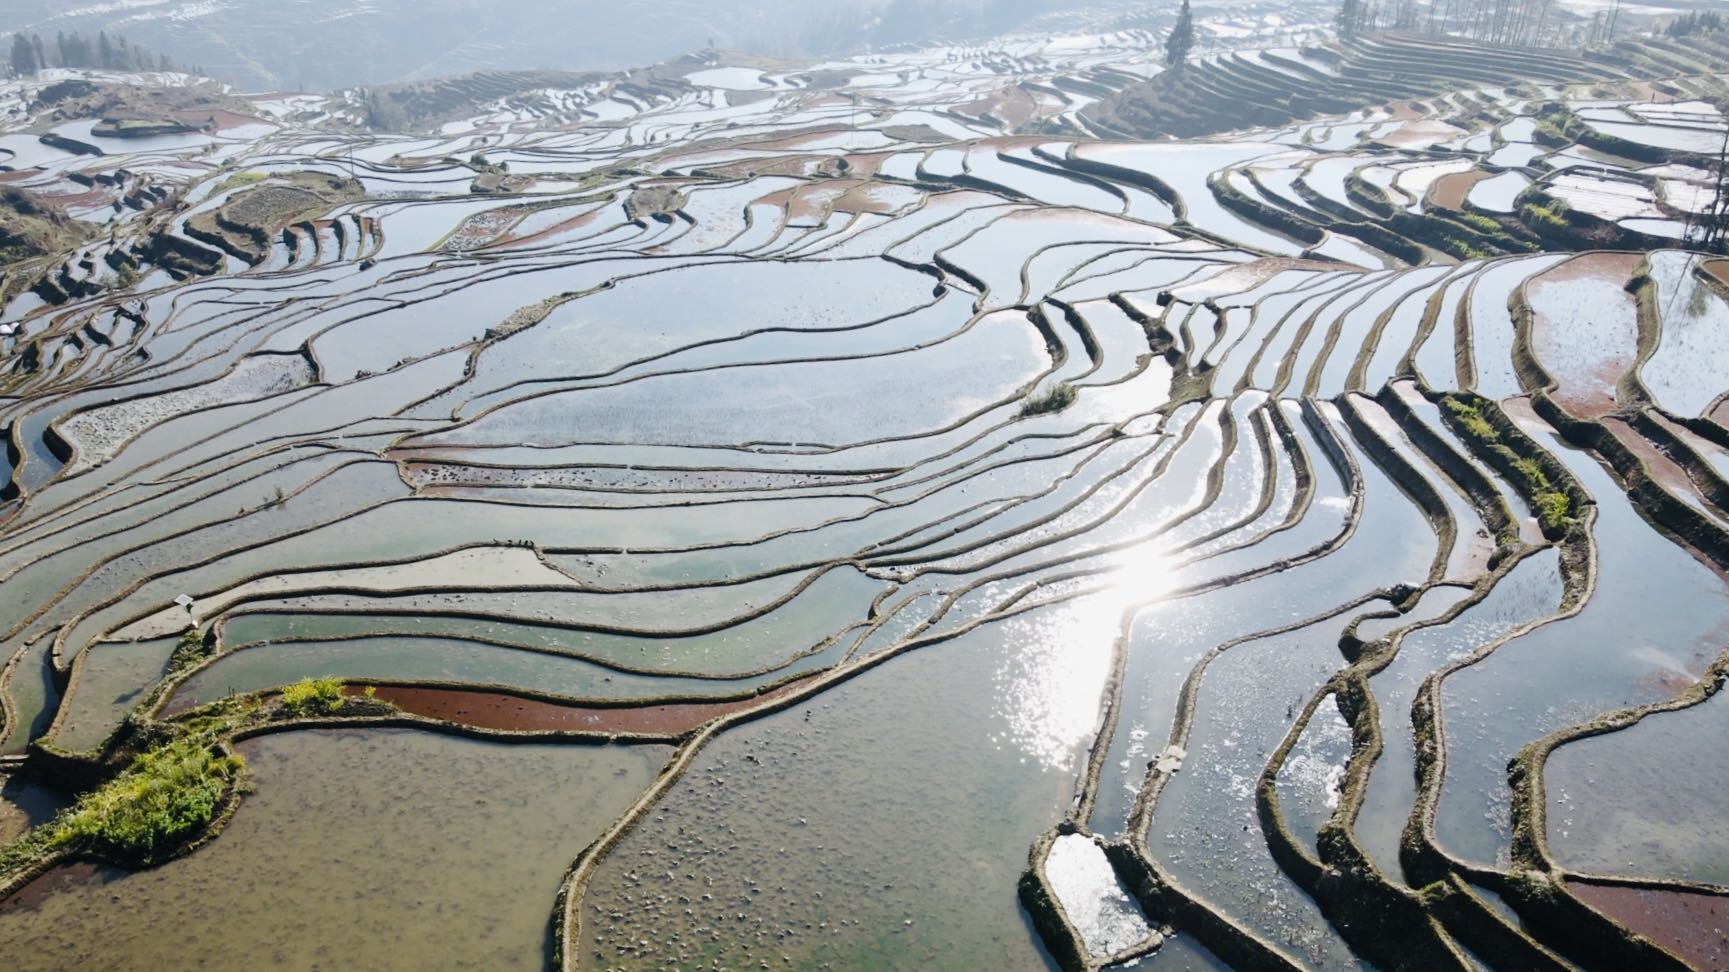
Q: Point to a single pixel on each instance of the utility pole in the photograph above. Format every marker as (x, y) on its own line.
(1716, 214)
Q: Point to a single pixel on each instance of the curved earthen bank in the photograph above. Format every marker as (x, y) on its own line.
(517, 713)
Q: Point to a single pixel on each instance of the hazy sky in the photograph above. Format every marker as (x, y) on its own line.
(332, 43)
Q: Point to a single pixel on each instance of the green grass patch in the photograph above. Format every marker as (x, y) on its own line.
(188, 651)
(1479, 222)
(166, 797)
(1053, 399)
(239, 179)
(1555, 509)
(1552, 506)
(313, 696)
(177, 779)
(1542, 217)
(1473, 420)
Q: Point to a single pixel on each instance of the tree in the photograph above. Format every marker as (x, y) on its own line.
(41, 51)
(1350, 15)
(1182, 39)
(104, 51)
(1712, 225)
(383, 112)
(23, 55)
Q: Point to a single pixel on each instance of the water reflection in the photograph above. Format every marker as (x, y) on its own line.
(1048, 685)
(1101, 910)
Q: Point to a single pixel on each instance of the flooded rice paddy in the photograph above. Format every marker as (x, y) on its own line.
(779, 529)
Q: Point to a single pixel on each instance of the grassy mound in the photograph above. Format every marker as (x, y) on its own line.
(168, 796)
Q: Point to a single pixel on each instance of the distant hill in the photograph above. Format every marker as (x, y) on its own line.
(328, 44)
(323, 44)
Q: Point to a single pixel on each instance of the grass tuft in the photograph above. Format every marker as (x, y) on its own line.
(1473, 420)
(313, 696)
(188, 651)
(239, 179)
(1054, 399)
(1551, 505)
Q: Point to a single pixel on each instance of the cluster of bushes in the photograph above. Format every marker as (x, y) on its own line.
(1698, 22)
(1053, 399)
(192, 648)
(30, 54)
(167, 795)
(313, 696)
(479, 163)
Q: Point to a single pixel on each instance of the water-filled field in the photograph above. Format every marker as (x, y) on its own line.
(854, 516)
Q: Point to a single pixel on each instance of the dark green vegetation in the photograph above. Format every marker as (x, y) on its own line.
(73, 50)
(1053, 399)
(168, 795)
(1181, 39)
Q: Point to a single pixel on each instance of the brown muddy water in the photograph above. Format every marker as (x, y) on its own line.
(360, 850)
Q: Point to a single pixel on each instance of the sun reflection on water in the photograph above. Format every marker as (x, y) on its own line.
(1050, 682)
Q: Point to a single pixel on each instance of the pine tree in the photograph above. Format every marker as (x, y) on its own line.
(23, 55)
(1349, 16)
(104, 51)
(1182, 39)
(41, 51)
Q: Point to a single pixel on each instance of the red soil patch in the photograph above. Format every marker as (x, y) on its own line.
(498, 710)
(870, 197)
(1663, 469)
(1693, 926)
(1012, 106)
(574, 223)
(866, 164)
(811, 204)
(1450, 190)
(1588, 392)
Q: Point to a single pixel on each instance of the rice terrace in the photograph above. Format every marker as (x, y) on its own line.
(979, 485)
